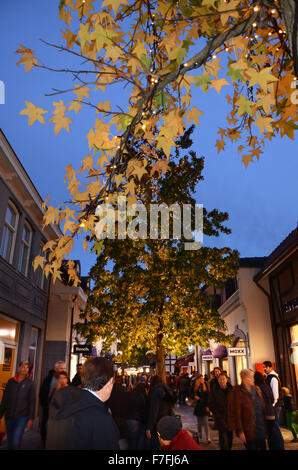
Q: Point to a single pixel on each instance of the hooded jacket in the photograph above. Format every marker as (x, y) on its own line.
(78, 420)
(182, 441)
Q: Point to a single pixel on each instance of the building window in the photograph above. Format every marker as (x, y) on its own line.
(231, 287)
(25, 249)
(32, 351)
(9, 233)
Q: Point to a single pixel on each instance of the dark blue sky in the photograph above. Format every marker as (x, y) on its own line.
(261, 200)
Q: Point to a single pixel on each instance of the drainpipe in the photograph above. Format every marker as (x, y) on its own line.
(71, 329)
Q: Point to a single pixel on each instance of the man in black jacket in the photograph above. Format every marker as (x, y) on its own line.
(79, 418)
(18, 406)
(218, 404)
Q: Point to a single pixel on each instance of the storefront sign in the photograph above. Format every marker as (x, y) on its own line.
(207, 357)
(237, 351)
(85, 349)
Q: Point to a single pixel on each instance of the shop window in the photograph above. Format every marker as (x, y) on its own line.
(225, 365)
(9, 337)
(240, 361)
(294, 349)
(25, 249)
(9, 233)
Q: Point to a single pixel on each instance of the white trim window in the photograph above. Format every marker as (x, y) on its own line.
(9, 233)
(25, 249)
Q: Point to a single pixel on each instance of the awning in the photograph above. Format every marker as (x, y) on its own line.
(185, 361)
(220, 351)
(208, 352)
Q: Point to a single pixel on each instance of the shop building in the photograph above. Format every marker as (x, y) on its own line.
(278, 280)
(23, 292)
(245, 310)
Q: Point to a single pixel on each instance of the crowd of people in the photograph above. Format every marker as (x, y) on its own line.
(98, 410)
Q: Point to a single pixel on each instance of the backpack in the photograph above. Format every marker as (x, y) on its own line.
(280, 401)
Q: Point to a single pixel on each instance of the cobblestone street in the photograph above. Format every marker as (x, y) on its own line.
(31, 439)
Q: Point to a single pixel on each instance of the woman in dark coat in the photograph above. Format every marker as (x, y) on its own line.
(161, 403)
(137, 417)
(201, 410)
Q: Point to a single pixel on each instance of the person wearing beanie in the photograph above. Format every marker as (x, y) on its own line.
(172, 437)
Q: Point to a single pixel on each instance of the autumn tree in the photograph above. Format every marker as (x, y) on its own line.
(151, 292)
(159, 51)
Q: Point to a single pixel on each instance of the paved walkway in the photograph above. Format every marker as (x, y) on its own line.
(189, 421)
(32, 441)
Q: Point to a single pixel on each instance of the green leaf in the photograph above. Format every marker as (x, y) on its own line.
(146, 61)
(160, 100)
(125, 121)
(235, 74)
(203, 81)
(98, 246)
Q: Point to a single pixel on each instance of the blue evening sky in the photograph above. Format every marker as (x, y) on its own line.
(261, 200)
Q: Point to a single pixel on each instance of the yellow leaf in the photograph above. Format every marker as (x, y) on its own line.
(220, 144)
(226, 10)
(217, 84)
(193, 115)
(61, 122)
(81, 91)
(38, 261)
(263, 78)
(212, 67)
(75, 106)
(34, 113)
(27, 58)
(264, 123)
(115, 4)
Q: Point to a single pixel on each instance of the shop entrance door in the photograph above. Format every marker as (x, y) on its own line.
(9, 333)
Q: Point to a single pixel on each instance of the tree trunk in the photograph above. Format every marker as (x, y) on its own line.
(160, 358)
(289, 9)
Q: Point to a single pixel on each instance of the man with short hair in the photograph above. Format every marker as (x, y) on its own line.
(218, 404)
(172, 437)
(77, 380)
(46, 392)
(276, 441)
(214, 382)
(246, 412)
(79, 418)
(18, 406)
